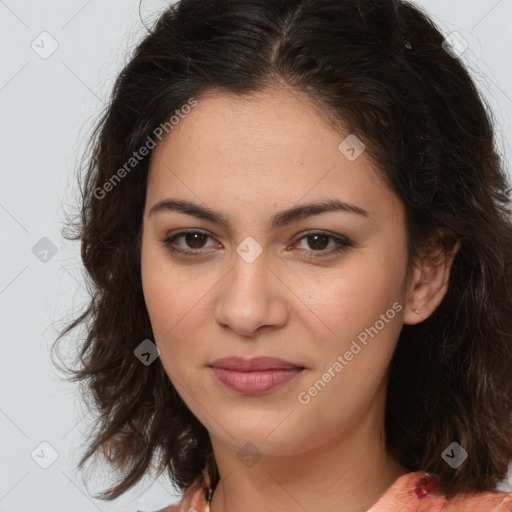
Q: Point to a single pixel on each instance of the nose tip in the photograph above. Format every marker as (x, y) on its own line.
(251, 297)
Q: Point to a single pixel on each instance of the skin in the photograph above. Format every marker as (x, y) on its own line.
(248, 157)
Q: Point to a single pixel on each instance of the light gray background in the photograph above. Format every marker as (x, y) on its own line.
(48, 107)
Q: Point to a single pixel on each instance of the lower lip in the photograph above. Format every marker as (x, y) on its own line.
(255, 382)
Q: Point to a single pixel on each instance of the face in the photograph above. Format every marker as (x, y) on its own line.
(323, 289)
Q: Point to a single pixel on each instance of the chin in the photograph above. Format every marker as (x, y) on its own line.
(262, 439)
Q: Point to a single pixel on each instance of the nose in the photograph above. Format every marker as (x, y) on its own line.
(252, 297)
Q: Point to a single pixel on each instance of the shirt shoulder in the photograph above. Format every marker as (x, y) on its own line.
(193, 501)
(170, 508)
(489, 501)
(416, 492)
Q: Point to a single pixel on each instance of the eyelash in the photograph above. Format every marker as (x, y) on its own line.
(343, 244)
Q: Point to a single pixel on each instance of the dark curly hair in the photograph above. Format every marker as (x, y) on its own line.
(380, 68)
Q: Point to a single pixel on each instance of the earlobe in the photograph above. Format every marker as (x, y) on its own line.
(430, 280)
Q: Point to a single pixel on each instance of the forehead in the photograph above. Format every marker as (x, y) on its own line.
(264, 122)
(269, 148)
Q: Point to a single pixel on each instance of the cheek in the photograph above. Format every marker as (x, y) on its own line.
(177, 308)
(361, 304)
(168, 296)
(364, 315)
(165, 308)
(162, 301)
(356, 296)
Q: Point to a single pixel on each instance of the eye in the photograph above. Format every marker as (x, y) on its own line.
(192, 239)
(318, 241)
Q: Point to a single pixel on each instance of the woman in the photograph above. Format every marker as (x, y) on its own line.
(297, 228)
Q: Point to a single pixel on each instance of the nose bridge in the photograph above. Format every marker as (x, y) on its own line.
(248, 287)
(249, 297)
(250, 268)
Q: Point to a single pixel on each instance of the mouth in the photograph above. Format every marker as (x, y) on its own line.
(244, 364)
(255, 375)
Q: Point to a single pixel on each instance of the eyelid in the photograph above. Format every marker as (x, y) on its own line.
(167, 240)
(342, 242)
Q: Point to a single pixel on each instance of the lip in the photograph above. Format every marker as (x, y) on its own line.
(243, 364)
(255, 382)
(255, 375)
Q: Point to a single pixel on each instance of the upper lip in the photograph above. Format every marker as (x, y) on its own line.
(254, 363)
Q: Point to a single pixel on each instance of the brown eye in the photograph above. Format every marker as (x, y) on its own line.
(191, 242)
(195, 240)
(318, 242)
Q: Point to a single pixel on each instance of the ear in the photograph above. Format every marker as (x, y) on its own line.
(430, 276)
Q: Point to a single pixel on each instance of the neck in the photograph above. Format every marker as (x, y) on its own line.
(352, 469)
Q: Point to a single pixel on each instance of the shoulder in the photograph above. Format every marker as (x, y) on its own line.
(489, 501)
(416, 492)
(193, 499)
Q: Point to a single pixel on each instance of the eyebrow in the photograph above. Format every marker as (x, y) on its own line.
(281, 218)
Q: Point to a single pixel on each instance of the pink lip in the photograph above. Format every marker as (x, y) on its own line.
(253, 363)
(256, 375)
(256, 382)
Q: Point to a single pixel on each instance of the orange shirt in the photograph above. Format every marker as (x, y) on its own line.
(411, 492)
